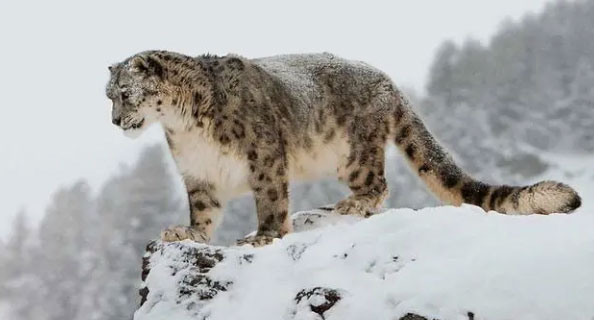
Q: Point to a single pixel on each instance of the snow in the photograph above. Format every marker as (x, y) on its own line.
(441, 263)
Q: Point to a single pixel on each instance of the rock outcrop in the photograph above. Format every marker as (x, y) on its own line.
(439, 263)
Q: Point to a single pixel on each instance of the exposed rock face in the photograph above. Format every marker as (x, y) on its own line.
(318, 300)
(197, 260)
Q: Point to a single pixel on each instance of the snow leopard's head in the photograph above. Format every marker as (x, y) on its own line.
(137, 91)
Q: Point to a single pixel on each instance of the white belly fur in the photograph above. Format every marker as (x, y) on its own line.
(323, 160)
(203, 159)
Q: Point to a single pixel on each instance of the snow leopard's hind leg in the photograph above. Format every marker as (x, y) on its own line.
(363, 170)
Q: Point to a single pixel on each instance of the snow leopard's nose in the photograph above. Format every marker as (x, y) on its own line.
(116, 114)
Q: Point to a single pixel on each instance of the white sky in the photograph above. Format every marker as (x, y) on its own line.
(55, 120)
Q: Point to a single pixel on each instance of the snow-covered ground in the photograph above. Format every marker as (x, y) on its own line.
(438, 263)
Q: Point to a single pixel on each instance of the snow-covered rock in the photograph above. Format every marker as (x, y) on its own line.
(435, 263)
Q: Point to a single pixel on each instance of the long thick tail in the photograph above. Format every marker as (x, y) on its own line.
(446, 180)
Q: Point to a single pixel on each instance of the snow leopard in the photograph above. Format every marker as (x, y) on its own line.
(236, 125)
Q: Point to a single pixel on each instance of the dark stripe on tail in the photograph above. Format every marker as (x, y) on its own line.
(474, 192)
(499, 195)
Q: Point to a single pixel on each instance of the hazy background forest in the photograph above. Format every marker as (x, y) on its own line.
(498, 106)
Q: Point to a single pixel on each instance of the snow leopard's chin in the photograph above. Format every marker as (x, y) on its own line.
(133, 133)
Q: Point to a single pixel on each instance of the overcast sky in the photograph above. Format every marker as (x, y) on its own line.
(55, 120)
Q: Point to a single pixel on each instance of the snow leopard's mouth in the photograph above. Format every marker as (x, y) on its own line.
(133, 130)
(133, 126)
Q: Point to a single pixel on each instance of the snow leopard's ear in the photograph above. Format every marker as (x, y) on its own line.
(113, 69)
(146, 66)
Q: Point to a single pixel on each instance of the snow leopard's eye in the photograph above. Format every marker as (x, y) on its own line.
(125, 93)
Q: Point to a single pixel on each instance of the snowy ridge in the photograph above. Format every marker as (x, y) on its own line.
(434, 263)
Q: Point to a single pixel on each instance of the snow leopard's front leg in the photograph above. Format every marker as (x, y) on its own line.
(269, 181)
(205, 214)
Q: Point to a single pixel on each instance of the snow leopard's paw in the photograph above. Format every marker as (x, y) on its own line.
(179, 233)
(256, 240)
(355, 206)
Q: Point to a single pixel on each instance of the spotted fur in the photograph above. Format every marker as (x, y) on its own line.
(236, 125)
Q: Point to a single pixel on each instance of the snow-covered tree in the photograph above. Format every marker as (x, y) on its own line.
(132, 208)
